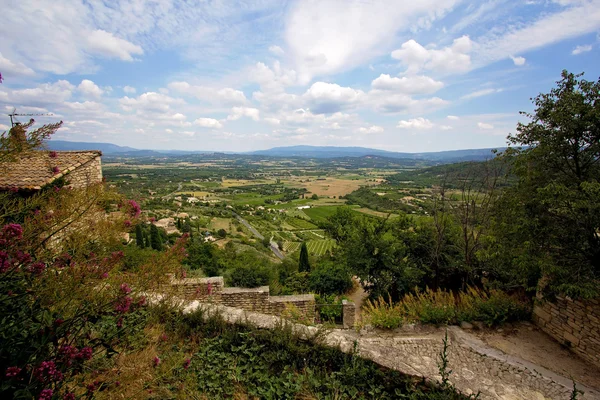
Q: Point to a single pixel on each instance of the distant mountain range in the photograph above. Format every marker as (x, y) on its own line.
(448, 156)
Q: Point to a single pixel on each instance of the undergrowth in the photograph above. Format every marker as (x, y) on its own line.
(491, 307)
(200, 356)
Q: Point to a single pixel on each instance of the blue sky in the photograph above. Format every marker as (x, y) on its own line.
(412, 76)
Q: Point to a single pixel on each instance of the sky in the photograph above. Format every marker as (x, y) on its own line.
(223, 75)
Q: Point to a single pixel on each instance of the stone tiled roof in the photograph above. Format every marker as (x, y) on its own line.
(36, 169)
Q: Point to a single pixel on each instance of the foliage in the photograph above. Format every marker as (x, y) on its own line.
(329, 307)
(383, 314)
(155, 239)
(330, 277)
(250, 276)
(303, 262)
(549, 222)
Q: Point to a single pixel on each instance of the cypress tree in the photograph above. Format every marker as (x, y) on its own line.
(155, 241)
(139, 236)
(304, 264)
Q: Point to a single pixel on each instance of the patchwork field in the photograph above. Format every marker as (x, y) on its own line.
(328, 186)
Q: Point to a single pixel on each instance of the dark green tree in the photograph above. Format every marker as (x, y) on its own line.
(155, 239)
(139, 236)
(550, 221)
(303, 263)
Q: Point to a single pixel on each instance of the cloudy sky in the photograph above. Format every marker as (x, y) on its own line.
(399, 75)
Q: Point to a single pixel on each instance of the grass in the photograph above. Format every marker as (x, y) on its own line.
(320, 214)
(291, 247)
(320, 247)
(300, 223)
(220, 223)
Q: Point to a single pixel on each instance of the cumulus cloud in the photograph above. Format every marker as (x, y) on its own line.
(371, 129)
(272, 121)
(518, 61)
(581, 49)
(149, 102)
(129, 90)
(330, 97)
(483, 125)
(407, 84)
(10, 68)
(453, 117)
(108, 45)
(239, 112)
(89, 89)
(454, 58)
(227, 96)
(42, 95)
(416, 123)
(320, 44)
(208, 123)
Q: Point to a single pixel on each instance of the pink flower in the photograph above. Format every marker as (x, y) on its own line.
(11, 372)
(104, 275)
(186, 363)
(37, 268)
(125, 288)
(135, 208)
(68, 396)
(53, 154)
(163, 337)
(156, 361)
(47, 371)
(209, 288)
(127, 223)
(46, 394)
(123, 305)
(85, 353)
(11, 232)
(142, 301)
(55, 170)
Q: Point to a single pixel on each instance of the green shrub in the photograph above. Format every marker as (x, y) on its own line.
(250, 276)
(383, 314)
(297, 283)
(330, 307)
(429, 307)
(330, 278)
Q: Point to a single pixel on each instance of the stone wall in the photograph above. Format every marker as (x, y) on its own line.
(212, 290)
(86, 174)
(573, 323)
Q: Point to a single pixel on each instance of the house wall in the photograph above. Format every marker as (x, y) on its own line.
(86, 174)
(572, 322)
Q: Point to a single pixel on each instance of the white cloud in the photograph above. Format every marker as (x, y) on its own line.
(480, 93)
(371, 129)
(482, 125)
(579, 18)
(42, 95)
(581, 49)
(272, 121)
(451, 59)
(149, 102)
(446, 127)
(416, 123)
(89, 89)
(108, 45)
(407, 84)
(330, 97)
(169, 130)
(239, 112)
(227, 96)
(208, 123)
(9, 68)
(389, 102)
(328, 36)
(453, 117)
(518, 61)
(129, 90)
(276, 50)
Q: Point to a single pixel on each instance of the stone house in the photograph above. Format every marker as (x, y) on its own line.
(32, 171)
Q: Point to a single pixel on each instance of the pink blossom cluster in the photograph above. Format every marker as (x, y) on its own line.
(47, 371)
(11, 372)
(134, 208)
(123, 305)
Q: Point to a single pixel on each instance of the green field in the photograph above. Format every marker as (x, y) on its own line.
(320, 214)
(319, 247)
(290, 247)
(300, 223)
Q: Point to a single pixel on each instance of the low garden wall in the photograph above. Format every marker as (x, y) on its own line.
(572, 322)
(213, 290)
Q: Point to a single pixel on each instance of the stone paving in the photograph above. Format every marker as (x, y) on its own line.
(475, 366)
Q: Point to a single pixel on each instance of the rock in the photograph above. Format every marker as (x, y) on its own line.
(466, 325)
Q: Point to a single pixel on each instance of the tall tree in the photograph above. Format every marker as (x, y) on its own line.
(155, 240)
(553, 226)
(304, 263)
(139, 236)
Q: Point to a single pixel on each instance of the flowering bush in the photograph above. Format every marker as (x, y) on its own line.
(64, 296)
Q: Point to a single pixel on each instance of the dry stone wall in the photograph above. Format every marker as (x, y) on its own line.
(573, 323)
(213, 290)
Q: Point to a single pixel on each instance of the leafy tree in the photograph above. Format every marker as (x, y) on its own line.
(155, 238)
(139, 236)
(222, 233)
(314, 196)
(303, 262)
(330, 277)
(551, 219)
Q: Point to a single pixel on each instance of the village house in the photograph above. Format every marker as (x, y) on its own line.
(32, 171)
